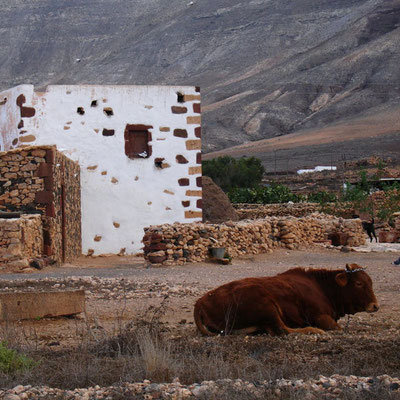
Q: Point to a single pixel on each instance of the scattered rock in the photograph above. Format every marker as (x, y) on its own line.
(322, 387)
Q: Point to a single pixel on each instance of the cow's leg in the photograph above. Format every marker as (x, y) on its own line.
(246, 331)
(284, 329)
(307, 330)
(274, 324)
(327, 323)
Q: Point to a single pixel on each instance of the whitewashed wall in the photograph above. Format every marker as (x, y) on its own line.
(10, 116)
(120, 196)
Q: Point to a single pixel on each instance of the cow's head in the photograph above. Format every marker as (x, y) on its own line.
(357, 291)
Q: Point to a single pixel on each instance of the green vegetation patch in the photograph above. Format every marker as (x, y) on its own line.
(11, 361)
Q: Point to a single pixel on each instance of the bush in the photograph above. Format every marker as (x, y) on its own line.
(11, 361)
(228, 172)
(322, 197)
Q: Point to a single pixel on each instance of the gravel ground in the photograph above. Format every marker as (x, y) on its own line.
(330, 387)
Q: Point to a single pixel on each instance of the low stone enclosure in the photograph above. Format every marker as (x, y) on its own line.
(387, 233)
(41, 188)
(180, 243)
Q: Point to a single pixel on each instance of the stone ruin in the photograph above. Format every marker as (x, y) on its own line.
(40, 209)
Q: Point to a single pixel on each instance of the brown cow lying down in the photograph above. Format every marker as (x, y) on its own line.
(296, 301)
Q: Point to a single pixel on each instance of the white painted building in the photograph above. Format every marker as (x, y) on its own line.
(139, 148)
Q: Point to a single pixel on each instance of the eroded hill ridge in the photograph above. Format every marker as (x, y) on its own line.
(266, 68)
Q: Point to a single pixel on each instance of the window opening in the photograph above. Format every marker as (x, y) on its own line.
(181, 98)
(137, 138)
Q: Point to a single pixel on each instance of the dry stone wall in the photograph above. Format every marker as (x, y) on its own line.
(41, 180)
(257, 211)
(19, 181)
(179, 243)
(21, 239)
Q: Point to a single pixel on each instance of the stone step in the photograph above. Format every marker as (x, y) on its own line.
(34, 305)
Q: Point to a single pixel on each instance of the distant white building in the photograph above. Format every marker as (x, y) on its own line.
(139, 149)
(316, 169)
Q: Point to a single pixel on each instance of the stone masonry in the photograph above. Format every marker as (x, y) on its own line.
(180, 243)
(20, 240)
(40, 180)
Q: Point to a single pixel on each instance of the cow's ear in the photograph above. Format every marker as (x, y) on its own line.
(341, 279)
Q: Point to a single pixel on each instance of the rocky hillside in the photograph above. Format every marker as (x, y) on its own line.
(266, 67)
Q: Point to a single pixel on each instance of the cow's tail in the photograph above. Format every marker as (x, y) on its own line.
(199, 320)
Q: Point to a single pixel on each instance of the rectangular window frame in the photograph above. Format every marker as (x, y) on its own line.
(129, 136)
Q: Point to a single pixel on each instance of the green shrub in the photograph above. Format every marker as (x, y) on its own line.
(243, 195)
(322, 197)
(228, 172)
(11, 361)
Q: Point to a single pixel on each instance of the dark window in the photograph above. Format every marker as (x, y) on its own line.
(137, 138)
(180, 97)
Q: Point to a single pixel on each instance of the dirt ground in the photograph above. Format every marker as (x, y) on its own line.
(121, 288)
(139, 325)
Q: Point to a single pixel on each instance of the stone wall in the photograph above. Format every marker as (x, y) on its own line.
(179, 243)
(41, 180)
(257, 211)
(21, 239)
(19, 180)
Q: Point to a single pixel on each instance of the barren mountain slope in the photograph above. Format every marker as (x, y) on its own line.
(376, 133)
(266, 67)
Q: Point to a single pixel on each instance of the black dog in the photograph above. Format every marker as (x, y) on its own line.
(369, 227)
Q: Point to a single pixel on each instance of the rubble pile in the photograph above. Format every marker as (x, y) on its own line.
(216, 205)
(179, 243)
(379, 198)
